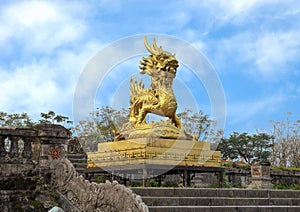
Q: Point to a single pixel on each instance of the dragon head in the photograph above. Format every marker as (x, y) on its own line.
(159, 62)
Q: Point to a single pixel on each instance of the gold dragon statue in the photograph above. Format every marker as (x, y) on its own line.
(158, 99)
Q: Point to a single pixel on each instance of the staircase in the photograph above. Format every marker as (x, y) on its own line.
(219, 200)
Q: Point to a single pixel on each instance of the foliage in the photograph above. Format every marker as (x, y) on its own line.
(152, 183)
(249, 147)
(213, 186)
(99, 126)
(286, 150)
(286, 187)
(230, 164)
(199, 124)
(134, 184)
(102, 178)
(227, 164)
(36, 204)
(15, 120)
(243, 166)
(22, 120)
(169, 184)
(281, 168)
(42, 186)
(52, 118)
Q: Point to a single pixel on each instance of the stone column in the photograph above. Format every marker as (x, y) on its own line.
(14, 148)
(145, 177)
(220, 178)
(53, 140)
(260, 176)
(186, 178)
(2, 146)
(27, 152)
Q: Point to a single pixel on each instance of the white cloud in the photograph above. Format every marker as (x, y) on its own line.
(48, 50)
(263, 56)
(237, 12)
(200, 45)
(46, 84)
(40, 26)
(233, 8)
(180, 18)
(241, 111)
(29, 88)
(273, 51)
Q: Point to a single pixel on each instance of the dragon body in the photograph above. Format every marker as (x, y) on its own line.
(159, 98)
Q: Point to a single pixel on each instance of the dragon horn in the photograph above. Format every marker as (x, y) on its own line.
(154, 49)
(147, 46)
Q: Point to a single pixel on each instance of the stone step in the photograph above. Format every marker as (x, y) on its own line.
(218, 192)
(218, 201)
(224, 208)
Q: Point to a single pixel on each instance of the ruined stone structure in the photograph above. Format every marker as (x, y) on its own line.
(77, 156)
(35, 175)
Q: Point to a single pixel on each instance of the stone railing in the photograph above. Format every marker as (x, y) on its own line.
(16, 145)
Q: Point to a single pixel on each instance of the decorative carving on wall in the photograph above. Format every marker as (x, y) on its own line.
(255, 172)
(74, 146)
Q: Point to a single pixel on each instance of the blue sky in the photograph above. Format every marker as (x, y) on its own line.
(253, 46)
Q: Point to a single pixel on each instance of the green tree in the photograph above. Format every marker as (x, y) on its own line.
(52, 118)
(99, 126)
(15, 120)
(249, 147)
(24, 120)
(200, 125)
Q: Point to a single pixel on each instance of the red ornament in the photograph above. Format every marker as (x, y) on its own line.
(55, 153)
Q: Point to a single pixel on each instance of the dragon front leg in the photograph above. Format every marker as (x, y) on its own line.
(176, 121)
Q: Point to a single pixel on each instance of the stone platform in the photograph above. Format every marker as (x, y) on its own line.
(154, 151)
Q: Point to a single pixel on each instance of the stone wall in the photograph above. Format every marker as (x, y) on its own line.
(285, 177)
(241, 177)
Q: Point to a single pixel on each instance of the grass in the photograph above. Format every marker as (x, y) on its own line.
(281, 168)
(286, 187)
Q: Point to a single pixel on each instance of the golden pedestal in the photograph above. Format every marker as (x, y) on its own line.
(154, 151)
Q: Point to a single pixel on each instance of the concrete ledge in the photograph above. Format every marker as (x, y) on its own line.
(224, 208)
(206, 192)
(219, 201)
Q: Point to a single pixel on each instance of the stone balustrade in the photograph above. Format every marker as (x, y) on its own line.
(16, 145)
(28, 150)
